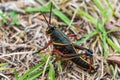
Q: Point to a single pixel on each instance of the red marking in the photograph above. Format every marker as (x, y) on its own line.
(57, 52)
(73, 35)
(46, 45)
(91, 61)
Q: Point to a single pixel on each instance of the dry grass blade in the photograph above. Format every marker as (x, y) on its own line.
(22, 32)
(114, 59)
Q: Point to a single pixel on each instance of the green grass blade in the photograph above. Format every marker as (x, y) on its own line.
(88, 16)
(46, 9)
(114, 46)
(0, 24)
(34, 75)
(5, 69)
(113, 72)
(3, 64)
(61, 16)
(3, 17)
(104, 12)
(104, 44)
(35, 68)
(59, 66)
(14, 16)
(43, 56)
(110, 6)
(87, 37)
(37, 9)
(99, 5)
(51, 73)
(16, 75)
(101, 28)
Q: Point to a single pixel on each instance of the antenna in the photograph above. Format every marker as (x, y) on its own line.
(50, 13)
(46, 20)
(48, 23)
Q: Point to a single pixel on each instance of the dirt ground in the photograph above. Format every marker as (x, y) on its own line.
(23, 31)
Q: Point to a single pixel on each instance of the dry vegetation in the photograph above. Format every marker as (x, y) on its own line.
(22, 32)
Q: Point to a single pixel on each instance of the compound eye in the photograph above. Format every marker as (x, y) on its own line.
(47, 29)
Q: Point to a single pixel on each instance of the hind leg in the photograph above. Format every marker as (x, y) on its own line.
(88, 53)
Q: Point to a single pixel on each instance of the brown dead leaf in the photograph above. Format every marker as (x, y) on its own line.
(114, 59)
(110, 26)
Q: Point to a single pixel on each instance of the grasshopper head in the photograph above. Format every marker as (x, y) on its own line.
(50, 29)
